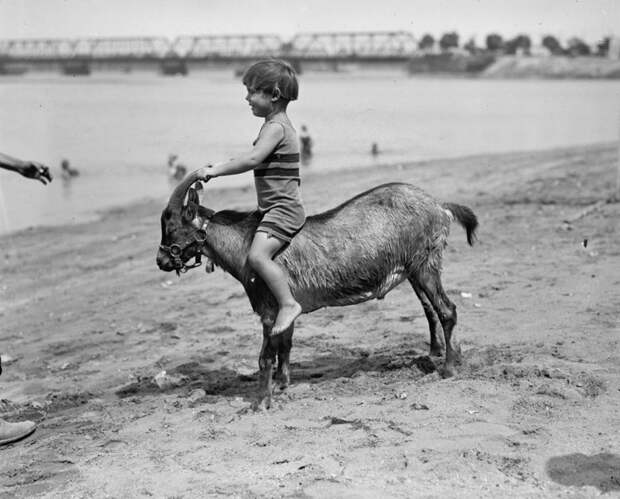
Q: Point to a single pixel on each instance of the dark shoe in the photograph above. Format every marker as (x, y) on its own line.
(12, 432)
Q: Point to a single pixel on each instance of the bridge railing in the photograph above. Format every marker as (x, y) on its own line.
(155, 47)
(37, 48)
(383, 44)
(360, 44)
(227, 46)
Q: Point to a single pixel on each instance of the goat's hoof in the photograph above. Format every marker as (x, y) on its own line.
(448, 371)
(261, 405)
(436, 352)
(284, 379)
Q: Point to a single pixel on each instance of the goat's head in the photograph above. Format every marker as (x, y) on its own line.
(182, 228)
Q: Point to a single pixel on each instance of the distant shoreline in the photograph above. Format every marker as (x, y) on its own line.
(515, 67)
(444, 65)
(554, 67)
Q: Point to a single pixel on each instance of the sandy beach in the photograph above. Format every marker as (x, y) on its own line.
(90, 324)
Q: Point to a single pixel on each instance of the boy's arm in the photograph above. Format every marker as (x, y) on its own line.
(269, 138)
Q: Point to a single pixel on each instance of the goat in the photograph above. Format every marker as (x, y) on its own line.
(355, 252)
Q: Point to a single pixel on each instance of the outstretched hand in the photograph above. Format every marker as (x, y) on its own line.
(37, 171)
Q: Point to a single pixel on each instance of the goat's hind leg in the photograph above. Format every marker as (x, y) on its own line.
(430, 283)
(284, 343)
(434, 324)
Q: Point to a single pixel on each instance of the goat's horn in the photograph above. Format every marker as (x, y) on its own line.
(178, 195)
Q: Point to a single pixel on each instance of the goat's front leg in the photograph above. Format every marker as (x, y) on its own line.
(266, 361)
(284, 343)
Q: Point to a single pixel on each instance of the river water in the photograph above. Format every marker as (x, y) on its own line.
(118, 130)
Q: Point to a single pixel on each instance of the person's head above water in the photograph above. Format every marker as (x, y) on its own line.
(273, 77)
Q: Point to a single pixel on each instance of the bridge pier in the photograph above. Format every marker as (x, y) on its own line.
(171, 66)
(75, 67)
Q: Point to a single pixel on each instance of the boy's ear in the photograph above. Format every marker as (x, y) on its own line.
(276, 94)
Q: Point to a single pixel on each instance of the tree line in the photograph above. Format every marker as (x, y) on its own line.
(496, 44)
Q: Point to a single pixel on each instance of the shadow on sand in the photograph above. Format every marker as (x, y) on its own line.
(599, 470)
(227, 382)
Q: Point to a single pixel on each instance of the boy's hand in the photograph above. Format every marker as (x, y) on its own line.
(206, 173)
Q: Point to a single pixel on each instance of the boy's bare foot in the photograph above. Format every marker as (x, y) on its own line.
(286, 316)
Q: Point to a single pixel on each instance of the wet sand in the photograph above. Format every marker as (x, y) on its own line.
(89, 324)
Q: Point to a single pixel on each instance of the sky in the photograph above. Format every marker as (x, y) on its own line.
(590, 20)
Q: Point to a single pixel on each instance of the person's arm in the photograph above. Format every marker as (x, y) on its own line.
(269, 138)
(29, 169)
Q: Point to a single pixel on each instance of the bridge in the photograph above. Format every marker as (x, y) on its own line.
(80, 56)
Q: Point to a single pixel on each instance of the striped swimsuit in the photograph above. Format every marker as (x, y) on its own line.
(277, 186)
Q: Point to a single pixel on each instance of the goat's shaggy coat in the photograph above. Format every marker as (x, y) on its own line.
(355, 252)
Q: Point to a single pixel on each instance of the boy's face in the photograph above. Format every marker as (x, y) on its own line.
(260, 102)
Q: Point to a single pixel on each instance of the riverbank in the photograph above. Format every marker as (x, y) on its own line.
(89, 322)
(488, 65)
(553, 67)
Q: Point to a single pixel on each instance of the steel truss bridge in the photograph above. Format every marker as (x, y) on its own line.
(173, 56)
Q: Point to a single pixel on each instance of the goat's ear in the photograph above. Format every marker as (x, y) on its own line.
(189, 212)
(192, 197)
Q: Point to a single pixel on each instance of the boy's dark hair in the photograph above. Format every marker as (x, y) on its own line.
(270, 75)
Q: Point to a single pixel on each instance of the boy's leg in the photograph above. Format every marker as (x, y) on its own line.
(264, 247)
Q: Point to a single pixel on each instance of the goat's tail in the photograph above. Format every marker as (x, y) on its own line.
(464, 216)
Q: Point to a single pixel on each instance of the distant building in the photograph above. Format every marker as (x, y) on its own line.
(614, 48)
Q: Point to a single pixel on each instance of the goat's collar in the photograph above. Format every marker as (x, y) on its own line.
(206, 219)
(201, 233)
